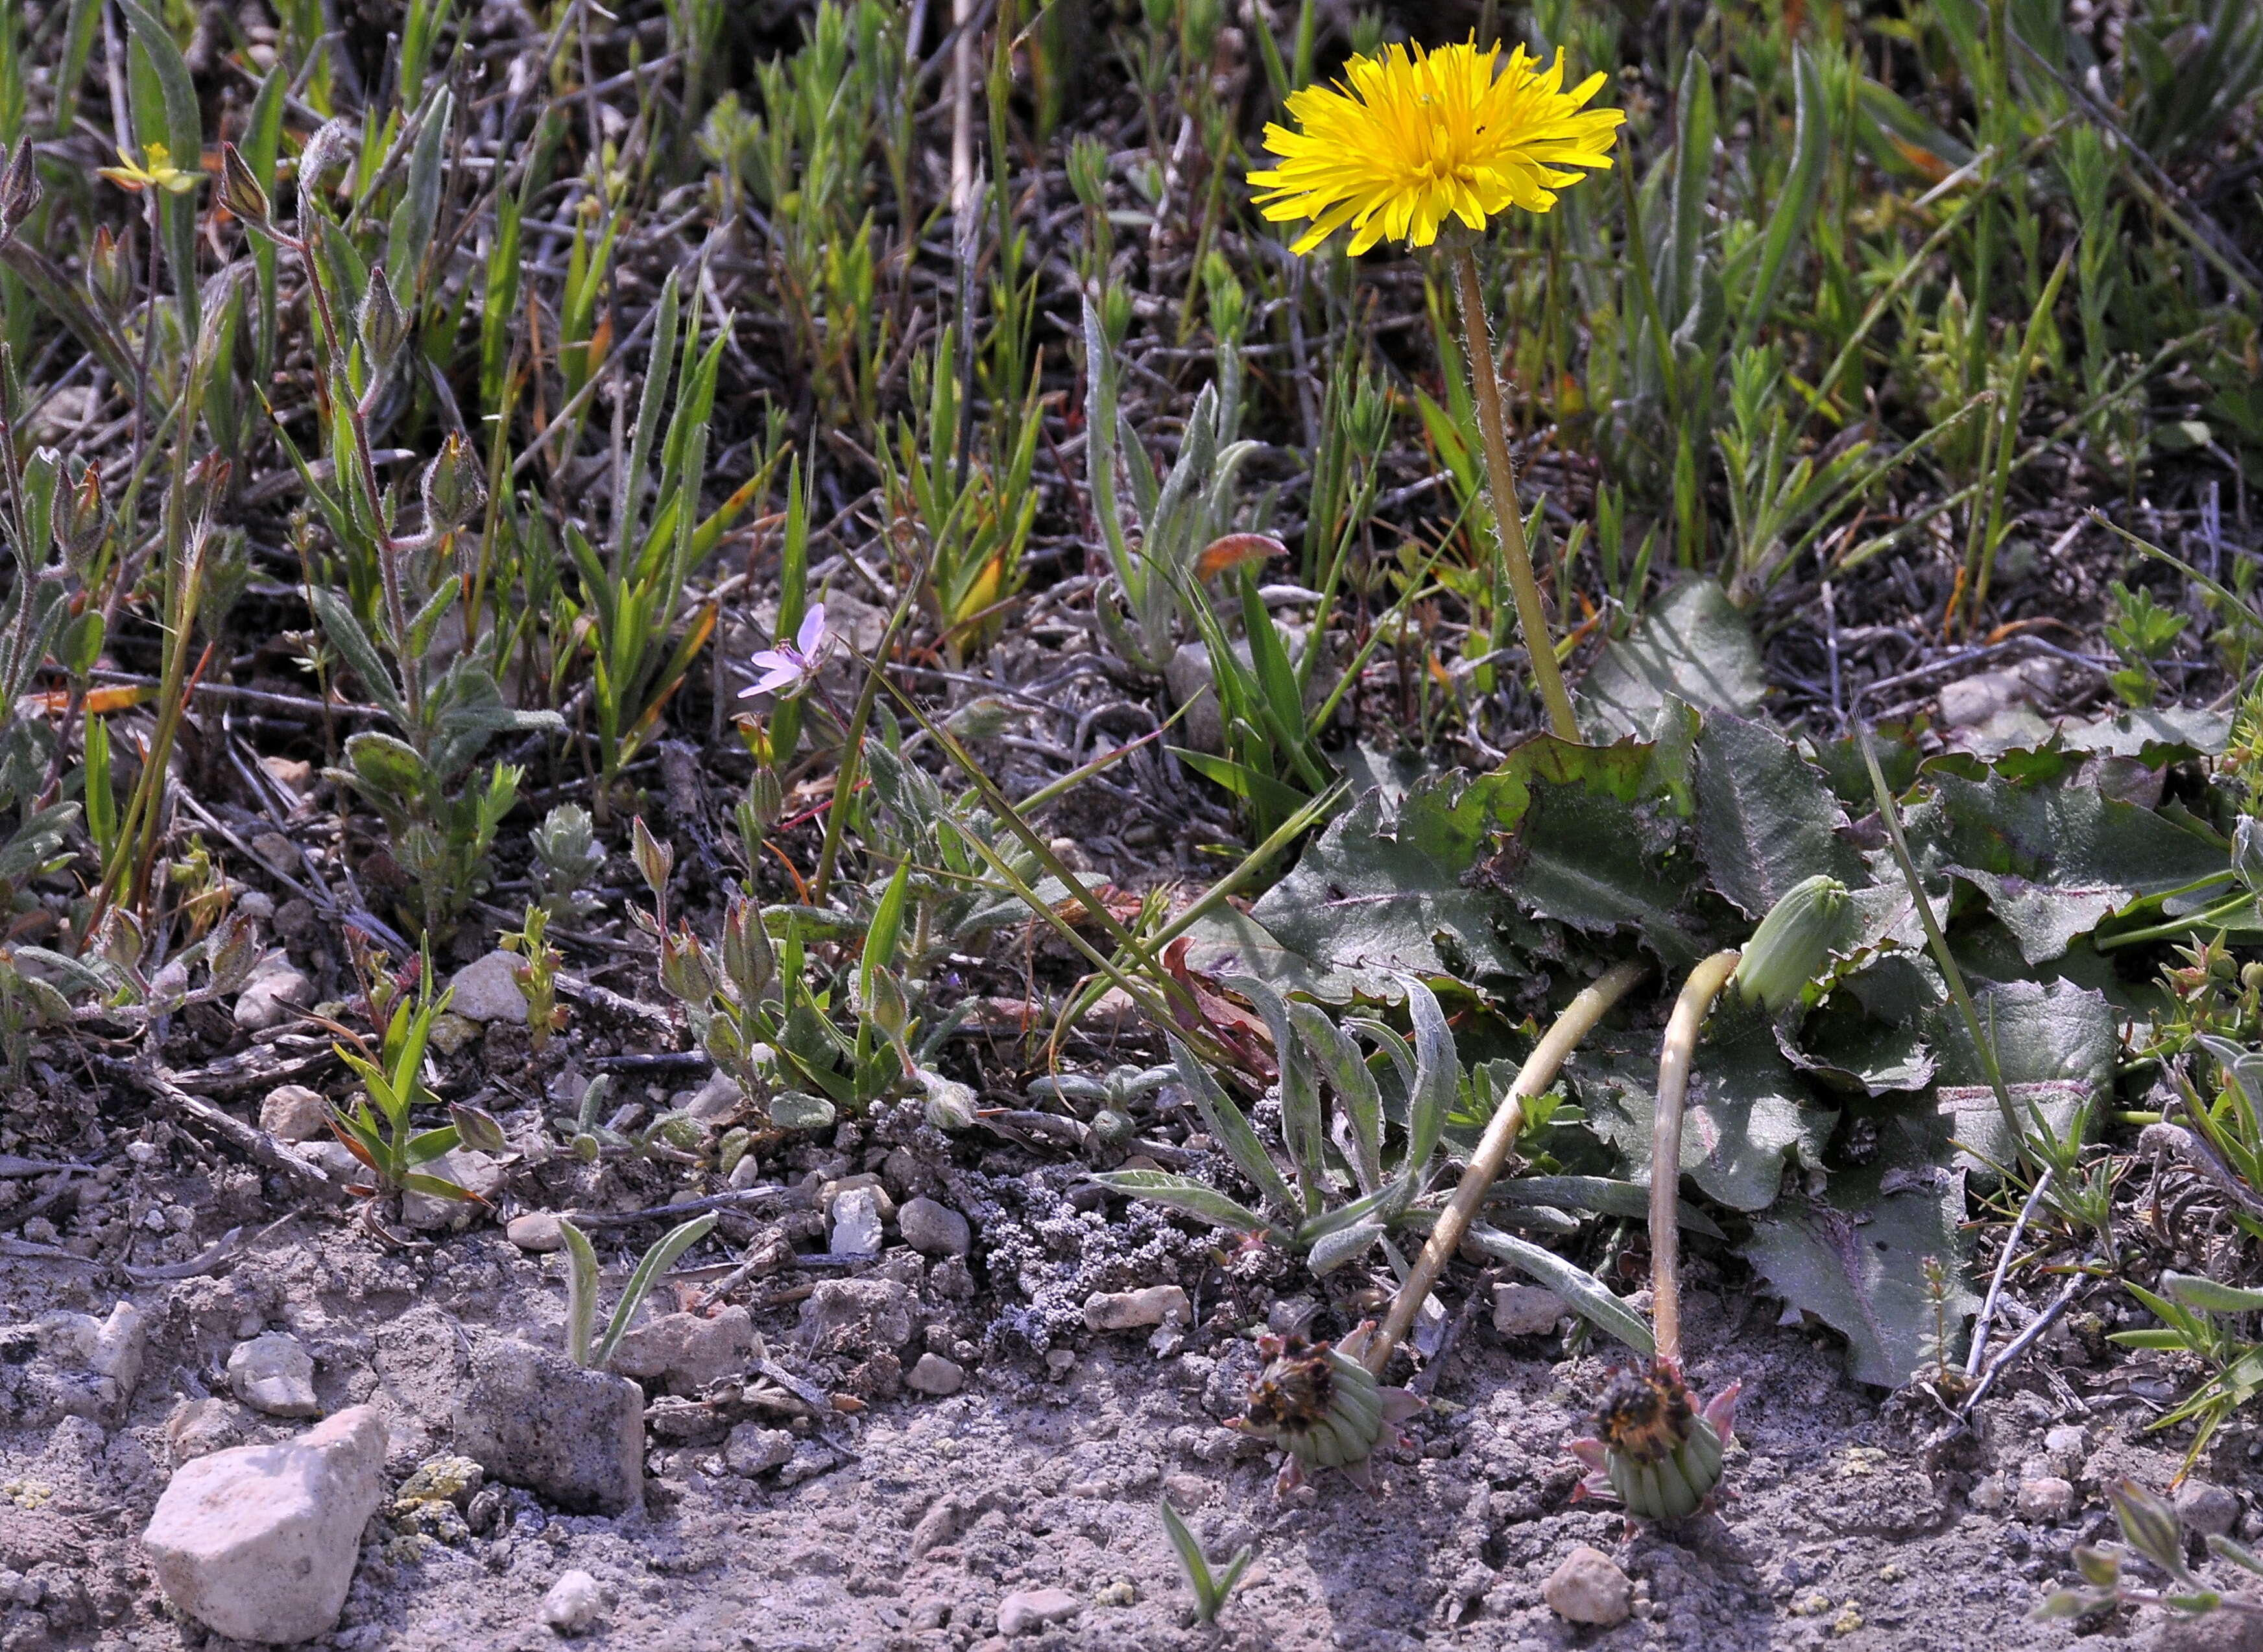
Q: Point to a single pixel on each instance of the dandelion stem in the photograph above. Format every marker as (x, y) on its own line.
(1674, 1057)
(1501, 477)
(1579, 1018)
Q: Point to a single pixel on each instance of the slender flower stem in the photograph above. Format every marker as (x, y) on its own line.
(1680, 1050)
(1500, 480)
(1579, 1018)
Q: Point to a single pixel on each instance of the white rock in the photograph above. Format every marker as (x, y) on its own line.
(274, 995)
(536, 1230)
(719, 1100)
(1526, 1311)
(1135, 1311)
(2066, 1447)
(572, 1603)
(274, 1374)
(688, 1351)
(934, 1375)
(1589, 1588)
(292, 1113)
(259, 1543)
(829, 1193)
(753, 1449)
(116, 1356)
(1030, 1609)
(933, 1228)
(486, 989)
(2047, 1498)
(856, 1223)
(469, 1169)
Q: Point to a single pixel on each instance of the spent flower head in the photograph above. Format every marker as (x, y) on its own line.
(791, 666)
(1410, 139)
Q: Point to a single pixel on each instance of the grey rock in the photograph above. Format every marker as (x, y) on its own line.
(1135, 1311)
(1526, 1311)
(81, 1366)
(2045, 1497)
(934, 1375)
(536, 1231)
(933, 1228)
(275, 994)
(858, 1315)
(486, 989)
(294, 1112)
(572, 1603)
(687, 1352)
(1589, 1588)
(259, 1543)
(719, 1100)
(753, 1449)
(469, 1169)
(534, 1418)
(197, 1428)
(2207, 1509)
(274, 1374)
(1030, 1609)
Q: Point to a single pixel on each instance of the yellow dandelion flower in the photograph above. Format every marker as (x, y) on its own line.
(1412, 138)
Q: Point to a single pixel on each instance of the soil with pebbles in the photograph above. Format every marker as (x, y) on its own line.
(909, 1520)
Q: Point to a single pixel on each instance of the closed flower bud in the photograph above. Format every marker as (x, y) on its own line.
(1321, 1406)
(685, 968)
(241, 192)
(476, 1128)
(19, 188)
(654, 858)
(453, 490)
(384, 329)
(81, 518)
(1791, 943)
(109, 275)
(982, 719)
(949, 1104)
(766, 796)
(1657, 1449)
(325, 150)
(748, 961)
(890, 1010)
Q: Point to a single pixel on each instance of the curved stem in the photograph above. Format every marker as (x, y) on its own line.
(1501, 482)
(1698, 992)
(1579, 1018)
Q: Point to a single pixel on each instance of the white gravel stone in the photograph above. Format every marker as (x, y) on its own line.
(753, 1449)
(1136, 1310)
(292, 1113)
(486, 989)
(1030, 1609)
(274, 995)
(536, 1231)
(856, 1223)
(933, 1228)
(259, 1543)
(572, 1603)
(274, 1374)
(1526, 1311)
(469, 1169)
(1589, 1588)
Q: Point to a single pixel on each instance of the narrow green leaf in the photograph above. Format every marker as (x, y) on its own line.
(1581, 1291)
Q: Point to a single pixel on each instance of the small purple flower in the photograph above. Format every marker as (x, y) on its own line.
(791, 666)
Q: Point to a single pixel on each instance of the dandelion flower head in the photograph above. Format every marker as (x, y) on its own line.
(1412, 138)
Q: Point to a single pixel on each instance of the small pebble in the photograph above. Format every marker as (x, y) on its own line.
(2047, 1498)
(572, 1603)
(1030, 1609)
(1589, 1588)
(536, 1231)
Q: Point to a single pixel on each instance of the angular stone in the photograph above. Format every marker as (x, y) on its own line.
(1526, 1311)
(534, 1418)
(274, 995)
(86, 1366)
(934, 1375)
(1589, 1588)
(469, 1169)
(486, 989)
(259, 1543)
(536, 1231)
(1028, 1609)
(687, 1352)
(196, 1428)
(933, 1228)
(2206, 1509)
(274, 1374)
(857, 1315)
(753, 1449)
(294, 1112)
(856, 1223)
(1135, 1311)
(572, 1603)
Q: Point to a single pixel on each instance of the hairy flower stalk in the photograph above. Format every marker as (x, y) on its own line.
(1322, 1406)
(1409, 141)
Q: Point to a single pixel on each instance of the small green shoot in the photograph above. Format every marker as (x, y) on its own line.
(1210, 1587)
(582, 1287)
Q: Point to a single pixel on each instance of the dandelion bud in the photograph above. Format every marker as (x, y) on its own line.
(384, 329)
(1657, 1449)
(766, 796)
(19, 188)
(241, 192)
(749, 963)
(1321, 1406)
(82, 518)
(1791, 943)
(476, 1128)
(453, 492)
(109, 276)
